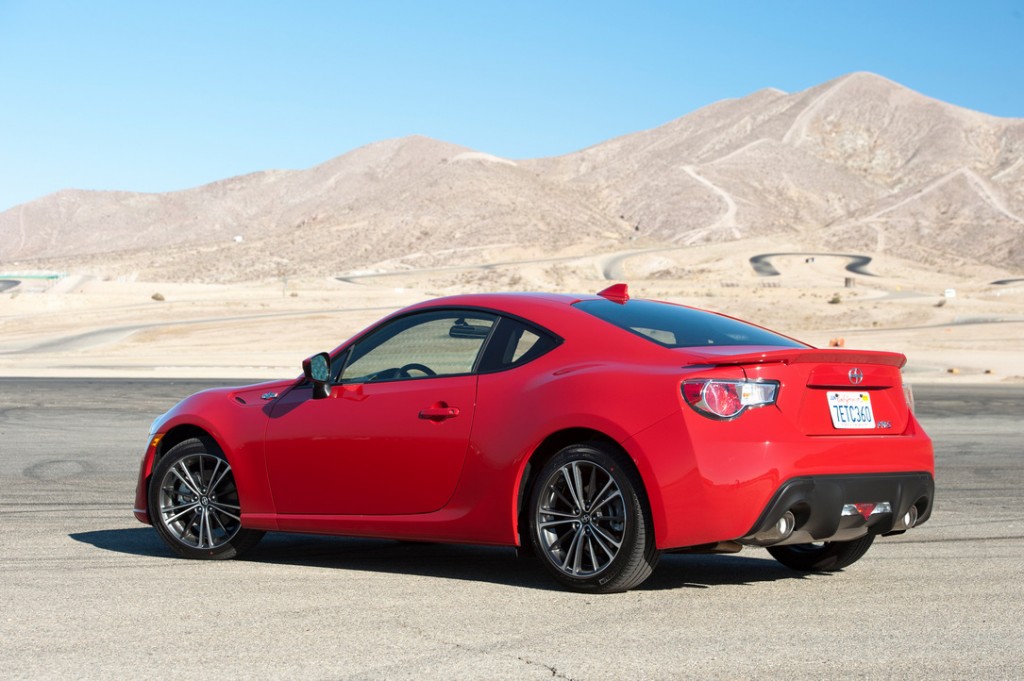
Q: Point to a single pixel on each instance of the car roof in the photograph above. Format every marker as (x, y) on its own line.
(517, 302)
(550, 310)
(558, 313)
(553, 311)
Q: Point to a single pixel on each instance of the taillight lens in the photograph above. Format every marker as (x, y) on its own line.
(908, 393)
(721, 399)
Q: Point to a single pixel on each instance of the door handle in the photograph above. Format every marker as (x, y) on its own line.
(439, 413)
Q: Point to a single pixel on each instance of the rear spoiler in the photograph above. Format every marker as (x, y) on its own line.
(726, 356)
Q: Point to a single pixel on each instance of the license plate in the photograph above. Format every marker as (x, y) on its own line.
(850, 409)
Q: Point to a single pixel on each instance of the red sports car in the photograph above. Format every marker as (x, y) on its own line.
(595, 430)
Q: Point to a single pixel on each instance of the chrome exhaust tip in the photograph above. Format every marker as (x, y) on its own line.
(910, 518)
(905, 521)
(779, 532)
(785, 526)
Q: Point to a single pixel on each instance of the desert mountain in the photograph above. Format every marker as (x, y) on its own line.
(859, 163)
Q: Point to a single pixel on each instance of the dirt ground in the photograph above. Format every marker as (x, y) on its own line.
(958, 325)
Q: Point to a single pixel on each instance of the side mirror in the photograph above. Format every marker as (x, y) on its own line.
(317, 369)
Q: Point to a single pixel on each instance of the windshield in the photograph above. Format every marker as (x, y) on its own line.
(675, 326)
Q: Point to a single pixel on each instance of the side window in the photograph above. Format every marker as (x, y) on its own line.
(527, 339)
(441, 343)
(515, 343)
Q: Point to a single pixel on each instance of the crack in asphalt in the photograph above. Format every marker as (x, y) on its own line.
(486, 651)
(554, 670)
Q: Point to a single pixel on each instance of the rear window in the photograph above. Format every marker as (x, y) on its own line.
(674, 326)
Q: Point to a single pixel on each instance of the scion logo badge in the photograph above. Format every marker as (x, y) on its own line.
(856, 376)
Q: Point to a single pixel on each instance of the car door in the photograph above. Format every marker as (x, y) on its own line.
(392, 436)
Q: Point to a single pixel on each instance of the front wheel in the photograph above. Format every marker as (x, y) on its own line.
(194, 505)
(589, 521)
(822, 557)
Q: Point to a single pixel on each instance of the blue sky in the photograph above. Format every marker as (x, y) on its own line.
(159, 96)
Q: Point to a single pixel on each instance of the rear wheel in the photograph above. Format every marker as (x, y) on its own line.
(589, 521)
(194, 504)
(822, 557)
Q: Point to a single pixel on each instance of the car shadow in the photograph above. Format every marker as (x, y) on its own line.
(705, 571)
(138, 541)
(498, 565)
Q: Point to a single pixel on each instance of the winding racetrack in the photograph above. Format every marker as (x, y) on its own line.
(763, 266)
(612, 264)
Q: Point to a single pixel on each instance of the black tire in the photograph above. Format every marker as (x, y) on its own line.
(824, 557)
(605, 543)
(193, 503)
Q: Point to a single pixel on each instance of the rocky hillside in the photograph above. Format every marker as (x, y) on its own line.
(858, 164)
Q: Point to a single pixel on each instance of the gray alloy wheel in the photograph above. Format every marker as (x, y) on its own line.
(194, 504)
(822, 556)
(589, 521)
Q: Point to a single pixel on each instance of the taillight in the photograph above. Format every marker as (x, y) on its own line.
(908, 393)
(721, 399)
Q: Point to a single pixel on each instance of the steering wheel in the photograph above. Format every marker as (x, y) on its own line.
(416, 366)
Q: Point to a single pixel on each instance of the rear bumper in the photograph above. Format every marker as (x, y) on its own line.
(715, 481)
(819, 508)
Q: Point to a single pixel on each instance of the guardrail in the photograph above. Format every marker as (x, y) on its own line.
(36, 275)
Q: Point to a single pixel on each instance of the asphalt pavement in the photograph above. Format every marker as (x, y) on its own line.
(88, 592)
